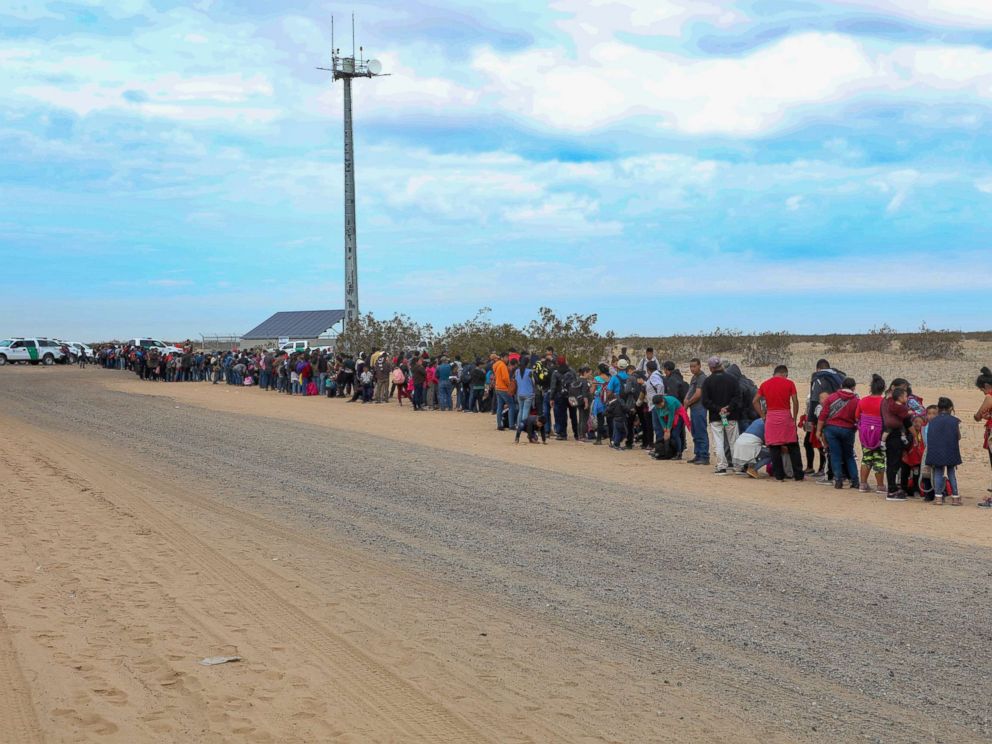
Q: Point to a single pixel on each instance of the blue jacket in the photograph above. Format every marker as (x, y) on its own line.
(525, 382)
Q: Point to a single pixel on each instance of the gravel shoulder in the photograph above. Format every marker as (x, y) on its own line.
(628, 611)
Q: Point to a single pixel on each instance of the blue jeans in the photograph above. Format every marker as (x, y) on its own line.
(444, 394)
(475, 397)
(939, 478)
(841, 443)
(619, 430)
(546, 410)
(524, 403)
(700, 433)
(504, 399)
(263, 379)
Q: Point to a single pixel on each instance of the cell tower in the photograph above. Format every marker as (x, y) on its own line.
(347, 69)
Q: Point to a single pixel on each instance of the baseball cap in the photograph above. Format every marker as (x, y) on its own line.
(622, 364)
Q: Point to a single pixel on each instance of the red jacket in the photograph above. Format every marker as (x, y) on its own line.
(840, 409)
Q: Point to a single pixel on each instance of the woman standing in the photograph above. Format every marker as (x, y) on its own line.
(524, 378)
(895, 415)
(984, 413)
(836, 426)
(870, 428)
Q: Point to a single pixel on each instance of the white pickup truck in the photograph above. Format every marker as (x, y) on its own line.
(33, 350)
(149, 343)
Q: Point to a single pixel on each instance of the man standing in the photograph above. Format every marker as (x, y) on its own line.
(654, 386)
(781, 407)
(383, 368)
(721, 398)
(543, 370)
(501, 384)
(642, 366)
(697, 415)
(444, 372)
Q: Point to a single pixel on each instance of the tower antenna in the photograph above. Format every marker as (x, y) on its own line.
(347, 69)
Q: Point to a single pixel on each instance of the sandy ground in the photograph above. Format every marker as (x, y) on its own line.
(373, 605)
(469, 434)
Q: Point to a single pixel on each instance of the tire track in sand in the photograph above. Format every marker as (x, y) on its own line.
(365, 687)
(18, 723)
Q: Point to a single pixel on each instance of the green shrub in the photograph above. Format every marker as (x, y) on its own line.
(765, 349)
(928, 343)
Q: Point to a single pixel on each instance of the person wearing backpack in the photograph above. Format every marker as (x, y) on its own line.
(836, 426)
(561, 378)
(598, 409)
(824, 380)
(543, 368)
(633, 405)
(654, 386)
(614, 405)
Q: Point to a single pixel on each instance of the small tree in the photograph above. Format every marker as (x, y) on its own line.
(368, 334)
(478, 336)
(575, 336)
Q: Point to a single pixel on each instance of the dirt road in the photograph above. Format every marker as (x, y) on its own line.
(389, 576)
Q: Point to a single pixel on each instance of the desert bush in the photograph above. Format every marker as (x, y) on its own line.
(876, 340)
(722, 340)
(763, 349)
(680, 348)
(836, 343)
(928, 343)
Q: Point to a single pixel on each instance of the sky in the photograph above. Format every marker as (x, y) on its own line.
(175, 168)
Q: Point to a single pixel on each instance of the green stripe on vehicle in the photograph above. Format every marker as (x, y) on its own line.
(33, 353)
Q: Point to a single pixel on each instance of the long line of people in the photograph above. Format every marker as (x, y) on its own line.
(909, 449)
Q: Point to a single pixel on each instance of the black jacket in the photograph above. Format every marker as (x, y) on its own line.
(721, 390)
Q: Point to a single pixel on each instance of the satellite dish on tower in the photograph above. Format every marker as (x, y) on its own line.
(375, 66)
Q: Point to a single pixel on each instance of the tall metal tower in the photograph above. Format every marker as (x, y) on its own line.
(346, 69)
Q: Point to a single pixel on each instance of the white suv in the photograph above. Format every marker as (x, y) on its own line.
(34, 350)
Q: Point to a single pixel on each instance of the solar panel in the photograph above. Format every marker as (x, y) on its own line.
(296, 324)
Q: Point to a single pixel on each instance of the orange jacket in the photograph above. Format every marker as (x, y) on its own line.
(501, 376)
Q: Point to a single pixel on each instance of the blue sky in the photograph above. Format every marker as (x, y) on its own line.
(673, 165)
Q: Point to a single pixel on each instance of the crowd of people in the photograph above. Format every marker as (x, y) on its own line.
(909, 449)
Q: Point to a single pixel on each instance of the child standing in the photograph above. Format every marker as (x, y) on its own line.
(912, 458)
(944, 450)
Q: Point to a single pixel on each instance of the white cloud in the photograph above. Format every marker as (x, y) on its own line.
(984, 185)
(612, 81)
(603, 18)
(793, 203)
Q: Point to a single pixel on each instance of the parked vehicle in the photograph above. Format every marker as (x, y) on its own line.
(148, 343)
(76, 348)
(295, 346)
(32, 350)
